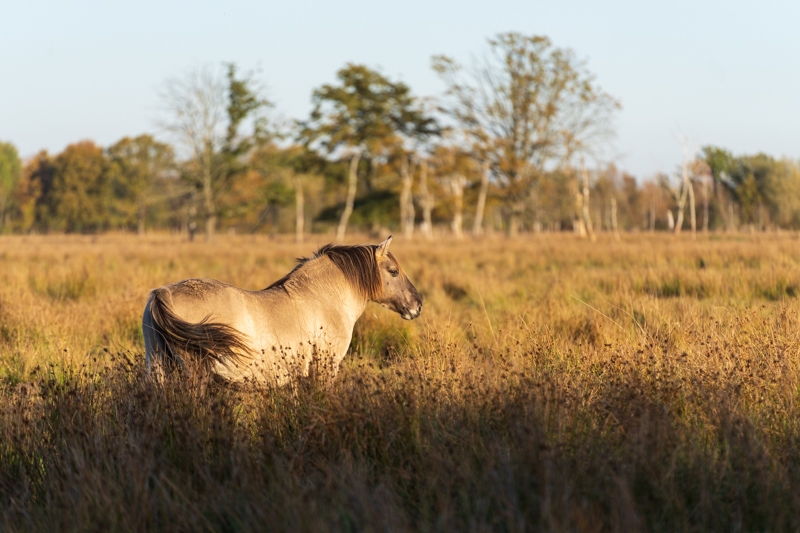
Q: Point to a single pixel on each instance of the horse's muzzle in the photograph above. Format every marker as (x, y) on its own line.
(411, 314)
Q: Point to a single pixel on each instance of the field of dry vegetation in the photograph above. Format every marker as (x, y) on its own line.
(550, 384)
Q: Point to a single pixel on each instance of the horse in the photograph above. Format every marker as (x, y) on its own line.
(300, 324)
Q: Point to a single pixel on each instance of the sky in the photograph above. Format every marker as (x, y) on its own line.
(725, 73)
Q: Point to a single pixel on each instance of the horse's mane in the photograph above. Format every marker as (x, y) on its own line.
(357, 263)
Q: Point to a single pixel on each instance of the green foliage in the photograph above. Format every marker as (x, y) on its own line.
(244, 103)
(79, 192)
(526, 110)
(10, 175)
(766, 190)
(366, 110)
(135, 167)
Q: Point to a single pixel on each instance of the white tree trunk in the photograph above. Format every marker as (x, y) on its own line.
(477, 224)
(351, 196)
(679, 220)
(614, 218)
(457, 183)
(406, 199)
(578, 226)
(680, 199)
(687, 183)
(686, 192)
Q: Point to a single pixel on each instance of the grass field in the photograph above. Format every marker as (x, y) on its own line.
(550, 385)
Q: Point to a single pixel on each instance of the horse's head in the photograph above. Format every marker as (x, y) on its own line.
(398, 293)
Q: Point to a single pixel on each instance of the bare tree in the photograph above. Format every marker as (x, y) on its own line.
(206, 108)
(527, 106)
(683, 192)
(196, 103)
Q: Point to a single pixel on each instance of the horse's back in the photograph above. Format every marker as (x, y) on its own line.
(266, 317)
(197, 299)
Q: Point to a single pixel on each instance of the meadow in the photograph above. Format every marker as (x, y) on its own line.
(551, 384)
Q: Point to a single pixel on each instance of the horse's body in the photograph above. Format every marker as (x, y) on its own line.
(272, 335)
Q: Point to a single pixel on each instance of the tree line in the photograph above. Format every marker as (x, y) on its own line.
(517, 142)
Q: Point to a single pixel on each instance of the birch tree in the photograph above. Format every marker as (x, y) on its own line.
(477, 223)
(426, 200)
(527, 106)
(682, 192)
(457, 183)
(455, 169)
(363, 119)
(206, 110)
(407, 211)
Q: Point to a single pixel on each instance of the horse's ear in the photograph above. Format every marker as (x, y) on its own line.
(383, 248)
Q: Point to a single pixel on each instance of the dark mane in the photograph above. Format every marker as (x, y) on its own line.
(357, 263)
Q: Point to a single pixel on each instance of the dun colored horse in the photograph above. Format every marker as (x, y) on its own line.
(302, 322)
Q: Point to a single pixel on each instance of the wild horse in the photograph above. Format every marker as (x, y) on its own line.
(303, 322)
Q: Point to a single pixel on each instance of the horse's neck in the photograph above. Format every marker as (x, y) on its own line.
(323, 286)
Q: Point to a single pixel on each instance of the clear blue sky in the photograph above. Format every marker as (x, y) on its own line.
(723, 72)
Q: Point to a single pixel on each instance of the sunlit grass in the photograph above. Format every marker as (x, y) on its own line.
(550, 384)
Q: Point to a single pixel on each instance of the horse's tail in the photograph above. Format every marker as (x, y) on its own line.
(197, 345)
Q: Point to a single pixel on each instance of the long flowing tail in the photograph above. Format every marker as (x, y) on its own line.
(201, 344)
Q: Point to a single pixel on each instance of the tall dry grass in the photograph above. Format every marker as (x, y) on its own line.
(550, 384)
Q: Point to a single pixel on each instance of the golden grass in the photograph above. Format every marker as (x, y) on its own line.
(550, 384)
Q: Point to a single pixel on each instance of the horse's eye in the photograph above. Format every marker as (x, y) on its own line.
(394, 273)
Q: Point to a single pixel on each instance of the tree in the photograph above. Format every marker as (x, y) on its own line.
(33, 191)
(683, 192)
(407, 212)
(455, 168)
(477, 223)
(765, 190)
(283, 170)
(136, 166)
(207, 112)
(10, 175)
(720, 162)
(526, 107)
(363, 118)
(76, 189)
(584, 203)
